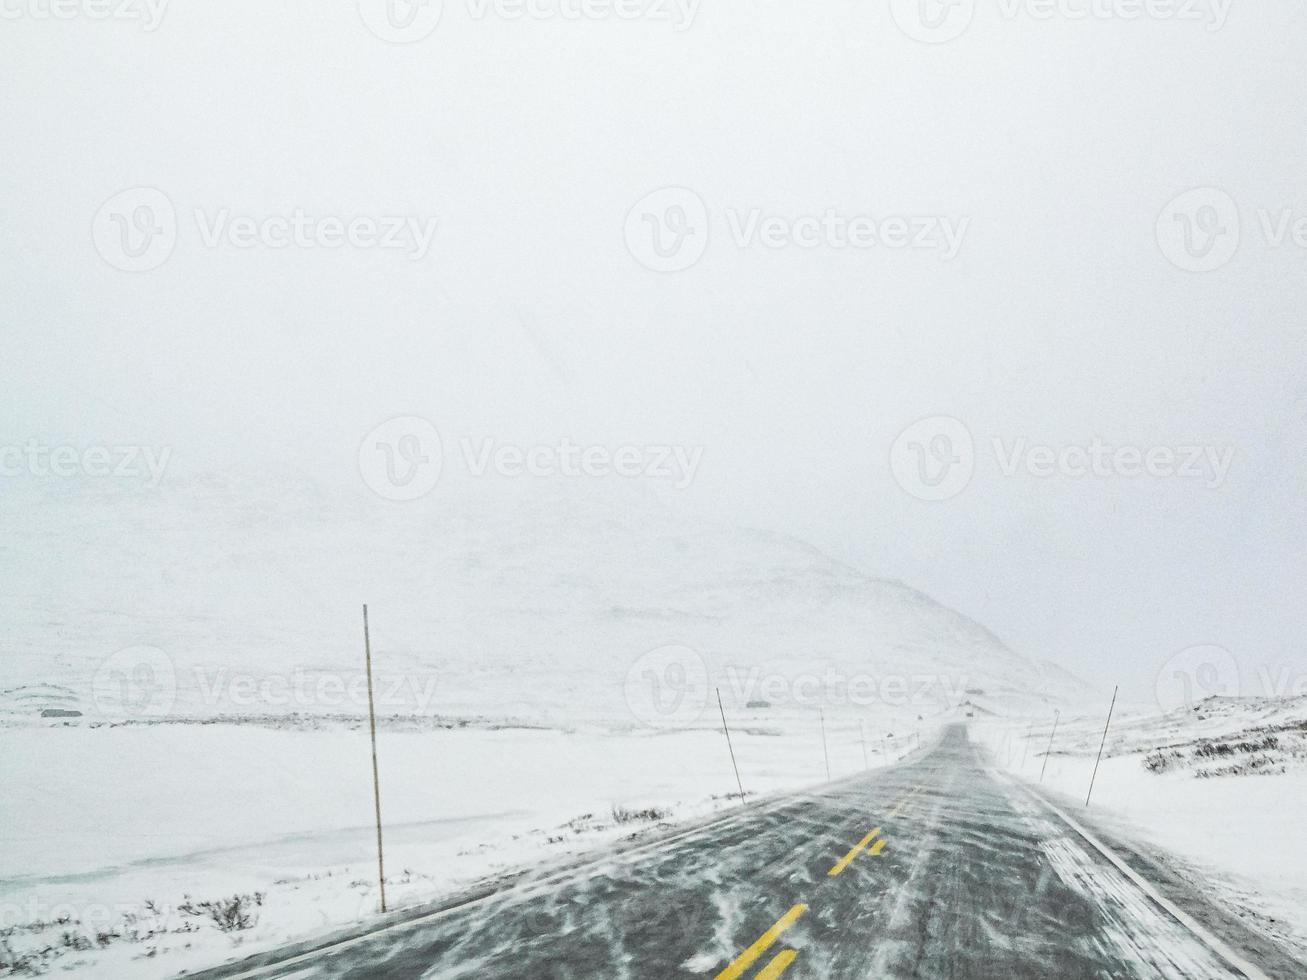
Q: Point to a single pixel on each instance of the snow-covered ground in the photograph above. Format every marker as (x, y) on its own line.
(128, 823)
(1221, 785)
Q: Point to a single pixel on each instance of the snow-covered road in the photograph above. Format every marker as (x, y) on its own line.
(934, 868)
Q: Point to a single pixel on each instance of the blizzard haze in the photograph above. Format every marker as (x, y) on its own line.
(1051, 145)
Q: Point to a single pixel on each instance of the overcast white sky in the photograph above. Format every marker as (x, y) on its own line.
(1054, 144)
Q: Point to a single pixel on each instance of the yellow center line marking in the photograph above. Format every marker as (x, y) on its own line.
(877, 848)
(778, 965)
(750, 955)
(907, 798)
(858, 848)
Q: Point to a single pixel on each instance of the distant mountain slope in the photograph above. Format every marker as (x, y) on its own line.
(534, 607)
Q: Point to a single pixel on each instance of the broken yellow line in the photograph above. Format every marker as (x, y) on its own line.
(750, 955)
(778, 965)
(877, 848)
(898, 807)
(858, 848)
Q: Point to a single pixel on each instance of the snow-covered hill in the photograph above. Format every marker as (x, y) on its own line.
(240, 592)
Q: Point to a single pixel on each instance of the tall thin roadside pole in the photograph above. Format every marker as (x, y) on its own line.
(1057, 715)
(862, 727)
(376, 776)
(727, 730)
(1025, 752)
(1100, 746)
(821, 715)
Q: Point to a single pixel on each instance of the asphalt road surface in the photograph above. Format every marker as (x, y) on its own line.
(937, 867)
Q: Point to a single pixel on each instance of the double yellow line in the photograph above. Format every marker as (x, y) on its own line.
(873, 844)
(873, 849)
(779, 963)
(858, 848)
